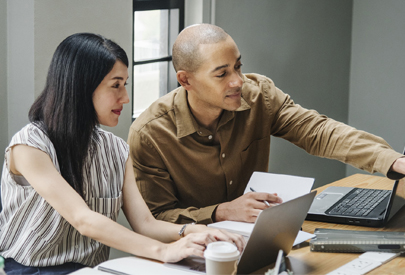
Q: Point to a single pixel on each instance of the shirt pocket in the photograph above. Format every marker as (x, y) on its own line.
(108, 207)
(255, 157)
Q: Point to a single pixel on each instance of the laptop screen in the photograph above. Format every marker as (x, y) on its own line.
(399, 198)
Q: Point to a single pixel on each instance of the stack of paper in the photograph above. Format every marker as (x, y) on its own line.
(287, 188)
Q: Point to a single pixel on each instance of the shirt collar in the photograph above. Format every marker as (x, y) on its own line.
(185, 121)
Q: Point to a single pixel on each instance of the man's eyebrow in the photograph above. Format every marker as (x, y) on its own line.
(226, 65)
(219, 67)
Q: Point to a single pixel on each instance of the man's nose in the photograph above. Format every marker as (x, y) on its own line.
(236, 81)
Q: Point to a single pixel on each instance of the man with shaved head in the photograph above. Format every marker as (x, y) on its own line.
(194, 149)
(186, 55)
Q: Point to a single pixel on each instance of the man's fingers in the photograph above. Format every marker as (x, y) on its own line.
(254, 213)
(270, 198)
(277, 199)
(259, 205)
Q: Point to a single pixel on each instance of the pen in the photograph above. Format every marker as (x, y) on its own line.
(266, 202)
(111, 271)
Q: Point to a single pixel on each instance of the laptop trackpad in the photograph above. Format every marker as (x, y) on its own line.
(327, 198)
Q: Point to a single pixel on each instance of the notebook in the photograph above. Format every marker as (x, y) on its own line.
(335, 204)
(275, 229)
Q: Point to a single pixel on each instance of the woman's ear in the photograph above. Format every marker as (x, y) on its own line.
(183, 79)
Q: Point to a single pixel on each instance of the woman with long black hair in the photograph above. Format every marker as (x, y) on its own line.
(64, 178)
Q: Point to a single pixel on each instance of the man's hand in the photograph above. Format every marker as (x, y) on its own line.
(245, 208)
(399, 166)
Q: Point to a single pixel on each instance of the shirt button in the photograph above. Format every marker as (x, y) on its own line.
(210, 137)
(200, 133)
(223, 155)
(230, 183)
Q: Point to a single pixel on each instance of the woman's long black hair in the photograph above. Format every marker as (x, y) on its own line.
(65, 109)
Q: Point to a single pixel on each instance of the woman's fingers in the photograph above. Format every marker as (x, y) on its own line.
(201, 238)
(195, 243)
(238, 240)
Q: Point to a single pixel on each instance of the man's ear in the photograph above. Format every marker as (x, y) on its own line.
(183, 79)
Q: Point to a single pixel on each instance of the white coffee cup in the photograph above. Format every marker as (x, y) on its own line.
(221, 258)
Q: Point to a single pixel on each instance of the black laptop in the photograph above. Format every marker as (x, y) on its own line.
(358, 206)
(275, 229)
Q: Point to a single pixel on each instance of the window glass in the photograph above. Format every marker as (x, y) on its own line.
(150, 83)
(156, 26)
(151, 34)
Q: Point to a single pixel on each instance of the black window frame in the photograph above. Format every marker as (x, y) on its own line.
(145, 5)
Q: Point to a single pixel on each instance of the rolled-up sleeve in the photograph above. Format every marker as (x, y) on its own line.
(324, 137)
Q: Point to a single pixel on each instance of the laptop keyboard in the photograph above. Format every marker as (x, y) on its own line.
(360, 202)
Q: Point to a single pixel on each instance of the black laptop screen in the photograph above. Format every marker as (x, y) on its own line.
(399, 198)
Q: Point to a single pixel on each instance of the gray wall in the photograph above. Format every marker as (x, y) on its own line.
(304, 46)
(377, 95)
(34, 30)
(20, 62)
(57, 19)
(3, 77)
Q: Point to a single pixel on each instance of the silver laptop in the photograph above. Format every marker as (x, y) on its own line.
(344, 205)
(275, 229)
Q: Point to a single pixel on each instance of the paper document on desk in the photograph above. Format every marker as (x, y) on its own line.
(287, 187)
(246, 228)
(133, 265)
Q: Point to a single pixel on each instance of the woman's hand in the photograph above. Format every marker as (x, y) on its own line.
(192, 244)
(197, 237)
(219, 235)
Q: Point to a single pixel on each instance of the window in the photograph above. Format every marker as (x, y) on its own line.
(156, 25)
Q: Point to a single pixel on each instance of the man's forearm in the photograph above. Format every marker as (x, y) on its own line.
(186, 215)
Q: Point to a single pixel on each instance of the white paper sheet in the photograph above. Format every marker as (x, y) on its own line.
(138, 266)
(287, 187)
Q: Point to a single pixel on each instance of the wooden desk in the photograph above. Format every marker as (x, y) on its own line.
(303, 261)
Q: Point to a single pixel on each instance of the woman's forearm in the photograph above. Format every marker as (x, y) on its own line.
(110, 233)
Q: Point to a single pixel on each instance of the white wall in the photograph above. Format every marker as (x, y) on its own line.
(377, 93)
(304, 46)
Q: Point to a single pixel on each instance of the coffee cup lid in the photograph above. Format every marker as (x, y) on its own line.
(221, 252)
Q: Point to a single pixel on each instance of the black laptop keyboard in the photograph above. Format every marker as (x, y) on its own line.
(360, 202)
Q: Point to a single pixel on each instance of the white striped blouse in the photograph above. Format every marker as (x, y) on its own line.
(32, 232)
